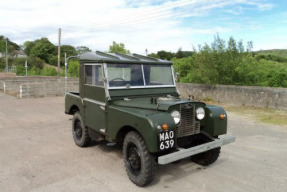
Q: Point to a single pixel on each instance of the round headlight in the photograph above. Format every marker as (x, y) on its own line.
(200, 113)
(176, 116)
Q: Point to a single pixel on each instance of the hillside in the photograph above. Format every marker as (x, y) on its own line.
(279, 55)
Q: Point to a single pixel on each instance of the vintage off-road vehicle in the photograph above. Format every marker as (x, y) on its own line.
(132, 100)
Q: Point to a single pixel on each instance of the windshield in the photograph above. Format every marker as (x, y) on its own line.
(138, 75)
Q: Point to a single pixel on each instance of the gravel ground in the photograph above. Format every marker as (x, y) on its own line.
(37, 153)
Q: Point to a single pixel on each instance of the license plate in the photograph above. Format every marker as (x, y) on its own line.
(166, 140)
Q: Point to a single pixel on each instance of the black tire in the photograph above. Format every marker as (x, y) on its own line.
(206, 158)
(80, 132)
(139, 162)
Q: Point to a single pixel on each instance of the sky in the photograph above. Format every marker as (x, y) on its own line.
(151, 25)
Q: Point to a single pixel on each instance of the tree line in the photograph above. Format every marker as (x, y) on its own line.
(222, 62)
(230, 63)
(41, 57)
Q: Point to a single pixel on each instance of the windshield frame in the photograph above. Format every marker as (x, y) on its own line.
(144, 80)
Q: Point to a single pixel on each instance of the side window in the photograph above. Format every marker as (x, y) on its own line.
(94, 75)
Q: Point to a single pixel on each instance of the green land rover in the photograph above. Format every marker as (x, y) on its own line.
(132, 100)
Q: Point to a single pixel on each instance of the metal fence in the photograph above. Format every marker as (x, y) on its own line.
(11, 69)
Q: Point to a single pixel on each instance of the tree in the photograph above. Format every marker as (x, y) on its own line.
(69, 50)
(35, 62)
(42, 48)
(249, 46)
(118, 48)
(154, 55)
(28, 45)
(82, 49)
(11, 45)
(181, 54)
(165, 55)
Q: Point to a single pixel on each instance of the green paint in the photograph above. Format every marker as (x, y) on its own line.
(142, 109)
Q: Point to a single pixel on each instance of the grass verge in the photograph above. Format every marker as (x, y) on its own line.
(272, 116)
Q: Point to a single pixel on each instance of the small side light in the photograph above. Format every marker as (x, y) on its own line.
(222, 116)
(164, 126)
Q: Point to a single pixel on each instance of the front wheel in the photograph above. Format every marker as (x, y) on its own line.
(138, 160)
(206, 158)
(80, 132)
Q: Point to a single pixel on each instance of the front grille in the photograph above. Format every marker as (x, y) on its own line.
(188, 125)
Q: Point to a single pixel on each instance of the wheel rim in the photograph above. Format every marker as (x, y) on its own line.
(133, 159)
(78, 130)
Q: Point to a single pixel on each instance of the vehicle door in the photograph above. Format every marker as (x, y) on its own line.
(94, 99)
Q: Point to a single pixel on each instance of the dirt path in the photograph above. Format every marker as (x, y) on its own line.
(37, 153)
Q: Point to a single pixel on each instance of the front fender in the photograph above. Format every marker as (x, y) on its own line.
(142, 120)
(212, 124)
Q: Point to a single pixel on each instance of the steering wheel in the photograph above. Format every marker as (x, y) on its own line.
(118, 78)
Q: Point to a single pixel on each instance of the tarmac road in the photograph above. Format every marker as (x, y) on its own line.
(37, 153)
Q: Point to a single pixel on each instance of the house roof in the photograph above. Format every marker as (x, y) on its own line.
(100, 57)
(19, 52)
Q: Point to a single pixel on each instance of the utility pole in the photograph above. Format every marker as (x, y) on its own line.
(59, 52)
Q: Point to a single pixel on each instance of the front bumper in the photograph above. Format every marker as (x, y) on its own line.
(183, 153)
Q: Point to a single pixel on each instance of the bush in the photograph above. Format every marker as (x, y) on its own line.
(49, 71)
(34, 71)
(21, 70)
(2, 64)
(73, 68)
(36, 62)
(53, 60)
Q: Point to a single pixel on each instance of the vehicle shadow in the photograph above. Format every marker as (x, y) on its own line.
(108, 147)
(162, 173)
(176, 171)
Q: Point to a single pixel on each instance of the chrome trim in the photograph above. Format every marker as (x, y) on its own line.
(92, 63)
(85, 73)
(172, 69)
(142, 87)
(103, 130)
(96, 102)
(143, 75)
(139, 87)
(106, 84)
(172, 72)
(94, 85)
(183, 153)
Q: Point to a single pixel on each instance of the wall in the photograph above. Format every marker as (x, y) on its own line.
(48, 88)
(22, 78)
(4, 74)
(25, 87)
(237, 95)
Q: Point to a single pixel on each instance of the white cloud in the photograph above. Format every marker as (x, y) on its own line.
(139, 24)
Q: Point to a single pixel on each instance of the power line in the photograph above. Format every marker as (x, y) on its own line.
(153, 10)
(146, 16)
(141, 18)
